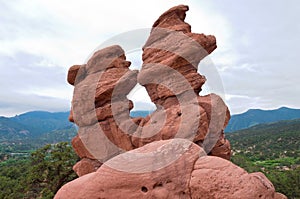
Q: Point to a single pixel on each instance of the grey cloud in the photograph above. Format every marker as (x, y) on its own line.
(21, 80)
(13, 105)
(22, 71)
(265, 39)
(17, 22)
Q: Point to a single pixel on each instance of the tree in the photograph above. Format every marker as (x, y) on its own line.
(51, 167)
(286, 182)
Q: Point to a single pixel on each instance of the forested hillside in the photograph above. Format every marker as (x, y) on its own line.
(274, 149)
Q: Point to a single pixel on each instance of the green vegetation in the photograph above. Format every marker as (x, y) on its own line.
(273, 149)
(15, 145)
(285, 179)
(40, 175)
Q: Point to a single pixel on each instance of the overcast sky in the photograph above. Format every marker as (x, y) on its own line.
(257, 59)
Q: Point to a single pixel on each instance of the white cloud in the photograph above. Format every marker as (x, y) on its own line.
(257, 55)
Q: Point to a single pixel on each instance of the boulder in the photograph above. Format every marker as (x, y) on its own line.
(175, 168)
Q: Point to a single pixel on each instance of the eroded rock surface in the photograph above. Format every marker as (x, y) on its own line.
(163, 155)
(187, 173)
(169, 73)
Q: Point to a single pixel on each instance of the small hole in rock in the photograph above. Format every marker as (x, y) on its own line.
(144, 189)
(160, 184)
(179, 113)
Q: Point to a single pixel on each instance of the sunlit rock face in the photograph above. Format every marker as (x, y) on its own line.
(171, 153)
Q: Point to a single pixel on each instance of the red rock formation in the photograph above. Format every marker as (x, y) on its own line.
(176, 168)
(142, 173)
(169, 73)
(95, 83)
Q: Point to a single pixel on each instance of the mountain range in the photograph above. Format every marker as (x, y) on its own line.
(33, 124)
(45, 127)
(257, 116)
(34, 129)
